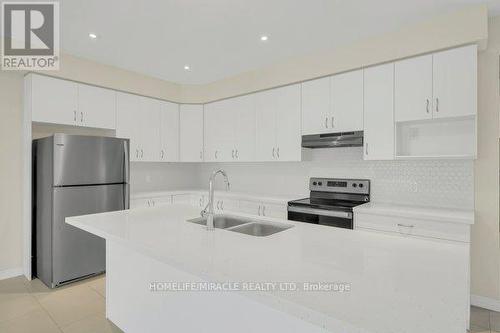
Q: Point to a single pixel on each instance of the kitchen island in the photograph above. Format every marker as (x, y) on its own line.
(165, 274)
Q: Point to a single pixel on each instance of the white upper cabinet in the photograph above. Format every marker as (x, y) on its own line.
(191, 133)
(218, 127)
(439, 85)
(65, 102)
(128, 122)
(169, 132)
(413, 89)
(379, 112)
(230, 130)
(244, 132)
(138, 118)
(96, 107)
(316, 106)
(455, 82)
(278, 122)
(347, 102)
(53, 100)
(148, 120)
(333, 104)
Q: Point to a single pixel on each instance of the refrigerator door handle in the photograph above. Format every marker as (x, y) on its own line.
(126, 171)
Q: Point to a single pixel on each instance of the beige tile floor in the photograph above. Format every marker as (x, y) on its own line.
(29, 306)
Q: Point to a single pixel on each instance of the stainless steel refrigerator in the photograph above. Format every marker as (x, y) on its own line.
(74, 175)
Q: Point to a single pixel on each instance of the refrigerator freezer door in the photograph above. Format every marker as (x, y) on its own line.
(77, 253)
(88, 160)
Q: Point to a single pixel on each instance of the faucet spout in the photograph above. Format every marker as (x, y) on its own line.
(208, 211)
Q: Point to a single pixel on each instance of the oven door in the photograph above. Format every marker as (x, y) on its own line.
(330, 218)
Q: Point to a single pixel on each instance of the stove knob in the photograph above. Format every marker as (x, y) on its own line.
(354, 185)
(320, 183)
(360, 185)
(314, 183)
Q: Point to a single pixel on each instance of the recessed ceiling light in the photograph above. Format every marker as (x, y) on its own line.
(92, 36)
(187, 68)
(264, 38)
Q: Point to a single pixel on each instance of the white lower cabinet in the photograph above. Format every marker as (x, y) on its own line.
(263, 209)
(412, 227)
(150, 202)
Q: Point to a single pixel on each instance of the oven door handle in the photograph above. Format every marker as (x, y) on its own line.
(321, 212)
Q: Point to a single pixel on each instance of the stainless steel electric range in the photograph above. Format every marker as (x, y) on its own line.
(331, 202)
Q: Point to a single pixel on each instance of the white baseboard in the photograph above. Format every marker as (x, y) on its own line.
(9, 273)
(485, 302)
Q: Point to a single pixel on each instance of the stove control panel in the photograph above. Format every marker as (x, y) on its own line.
(355, 186)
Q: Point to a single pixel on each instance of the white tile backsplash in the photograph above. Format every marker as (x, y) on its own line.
(441, 183)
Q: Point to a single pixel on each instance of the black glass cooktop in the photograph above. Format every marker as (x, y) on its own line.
(328, 204)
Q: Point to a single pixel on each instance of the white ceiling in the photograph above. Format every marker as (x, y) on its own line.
(221, 38)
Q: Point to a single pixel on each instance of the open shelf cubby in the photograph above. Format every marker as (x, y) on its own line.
(451, 138)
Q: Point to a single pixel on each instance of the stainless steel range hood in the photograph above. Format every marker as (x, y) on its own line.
(333, 140)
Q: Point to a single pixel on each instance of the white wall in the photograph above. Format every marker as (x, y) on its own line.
(447, 183)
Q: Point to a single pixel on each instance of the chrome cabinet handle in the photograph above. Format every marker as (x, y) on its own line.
(263, 210)
(332, 122)
(273, 151)
(149, 203)
(366, 148)
(74, 115)
(232, 154)
(81, 117)
(201, 204)
(236, 153)
(201, 155)
(216, 154)
(153, 203)
(437, 104)
(162, 154)
(142, 153)
(222, 205)
(278, 152)
(259, 211)
(427, 106)
(137, 153)
(326, 122)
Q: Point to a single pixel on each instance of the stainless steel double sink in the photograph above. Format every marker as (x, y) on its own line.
(244, 225)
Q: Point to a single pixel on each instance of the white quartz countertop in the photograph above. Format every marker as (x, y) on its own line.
(218, 194)
(395, 282)
(418, 212)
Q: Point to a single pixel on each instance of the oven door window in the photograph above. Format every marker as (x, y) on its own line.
(332, 221)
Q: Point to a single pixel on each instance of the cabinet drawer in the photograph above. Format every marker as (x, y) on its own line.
(413, 227)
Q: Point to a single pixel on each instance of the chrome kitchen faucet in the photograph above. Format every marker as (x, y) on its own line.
(208, 211)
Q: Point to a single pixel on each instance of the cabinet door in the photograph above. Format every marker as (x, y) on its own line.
(229, 205)
(53, 100)
(455, 82)
(288, 127)
(165, 200)
(96, 107)
(198, 200)
(128, 108)
(347, 102)
(413, 89)
(218, 126)
(379, 112)
(265, 120)
(149, 129)
(191, 133)
(139, 203)
(181, 199)
(169, 132)
(316, 106)
(250, 207)
(244, 129)
(274, 210)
